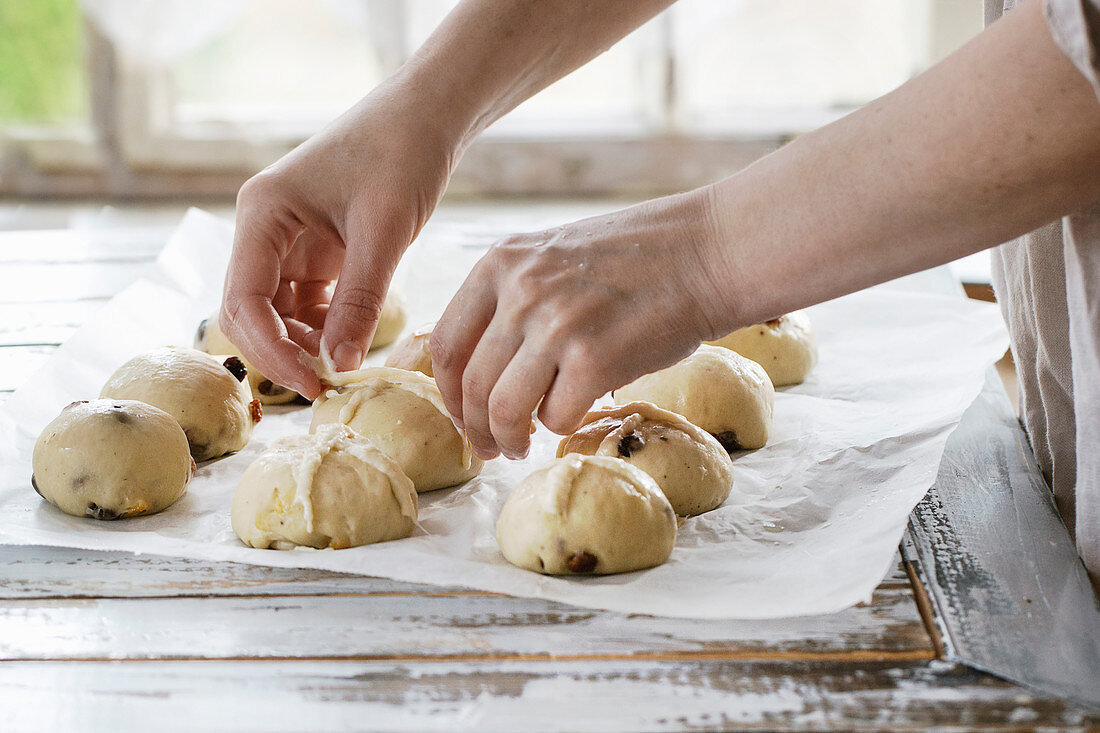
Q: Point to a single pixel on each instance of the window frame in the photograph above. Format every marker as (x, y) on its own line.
(127, 151)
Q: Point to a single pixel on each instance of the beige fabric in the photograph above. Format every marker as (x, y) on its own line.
(1048, 285)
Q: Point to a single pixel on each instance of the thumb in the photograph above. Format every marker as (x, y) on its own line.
(357, 300)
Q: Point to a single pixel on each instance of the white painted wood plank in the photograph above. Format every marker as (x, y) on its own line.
(68, 245)
(32, 283)
(44, 323)
(531, 696)
(18, 363)
(57, 572)
(60, 572)
(401, 626)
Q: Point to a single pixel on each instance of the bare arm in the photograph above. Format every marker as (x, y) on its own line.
(492, 55)
(345, 205)
(999, 138)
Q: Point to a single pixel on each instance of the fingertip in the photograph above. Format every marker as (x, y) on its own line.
(484, 451)
(309, 387)
(347, 356)
(512, 454)
(563, 414)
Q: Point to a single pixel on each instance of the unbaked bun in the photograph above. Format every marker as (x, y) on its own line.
(784, 346)
(586, 515)
(719, 390)
(393, 318)
(691, 467)
(332, 489)
(403, 414)
(110, 459)
(413, 353)
(210, 338)
(208, 396)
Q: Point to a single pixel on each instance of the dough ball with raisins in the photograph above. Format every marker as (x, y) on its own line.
(719, 390)
(691, 467)
(110, 459)
(784, 346)
(586, 515)
(403, 414)
(329, 490)
(207, 395)
(412, 352)
(210, 338)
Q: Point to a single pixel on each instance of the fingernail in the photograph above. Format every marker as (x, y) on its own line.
(517, 455)
(484, 454)
(347, 356)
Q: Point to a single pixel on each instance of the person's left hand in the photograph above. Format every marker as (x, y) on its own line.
(564, 315)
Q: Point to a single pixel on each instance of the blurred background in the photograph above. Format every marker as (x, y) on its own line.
(183, 100)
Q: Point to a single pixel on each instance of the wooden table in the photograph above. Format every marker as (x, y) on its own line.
(119, 642)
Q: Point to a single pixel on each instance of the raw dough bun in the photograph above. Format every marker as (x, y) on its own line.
(110, 459)
(332, 489)
(719, 390)
(403, 414)
(784, 346)
(412, 352)
(586, 515)
(390, 322)
(207, 395)
(210, 338)
(691, 467)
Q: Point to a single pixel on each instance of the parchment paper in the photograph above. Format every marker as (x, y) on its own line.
(811, 527)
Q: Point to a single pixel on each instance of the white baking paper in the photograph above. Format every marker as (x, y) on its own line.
(812, 525)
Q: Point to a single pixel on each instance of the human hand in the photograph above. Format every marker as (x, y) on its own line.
(564, 315)
(341, 208)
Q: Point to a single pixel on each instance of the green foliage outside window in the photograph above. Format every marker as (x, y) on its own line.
(42, 76)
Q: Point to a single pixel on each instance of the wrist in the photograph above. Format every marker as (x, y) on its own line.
(724, 298)
(436, 98)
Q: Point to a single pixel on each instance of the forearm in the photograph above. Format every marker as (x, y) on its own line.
(487, 56)
(998, 139)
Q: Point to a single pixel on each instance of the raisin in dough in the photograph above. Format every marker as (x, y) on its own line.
(403, 414)
(718, 390)
(210, 338)
(332, 489)
(586, 515)
(784, 346)
(208, 396)
(691, 467)
(412, 352)
(110, 459)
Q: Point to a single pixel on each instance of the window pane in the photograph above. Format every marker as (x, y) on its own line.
(42, 76)
(616, 93)
(289, 64)
(745, 59)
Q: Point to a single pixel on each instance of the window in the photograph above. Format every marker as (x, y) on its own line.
(192, 96)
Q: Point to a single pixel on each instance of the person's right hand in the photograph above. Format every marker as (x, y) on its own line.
(341, 208)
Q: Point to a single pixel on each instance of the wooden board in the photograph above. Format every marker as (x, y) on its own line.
(619, 695)
(437, 625)
(39, 573)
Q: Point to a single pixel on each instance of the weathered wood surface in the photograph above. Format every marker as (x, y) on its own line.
(437, 625)
(18, 363)
(309, 650)
(620, 695)
(44, 323)
(37, 573)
